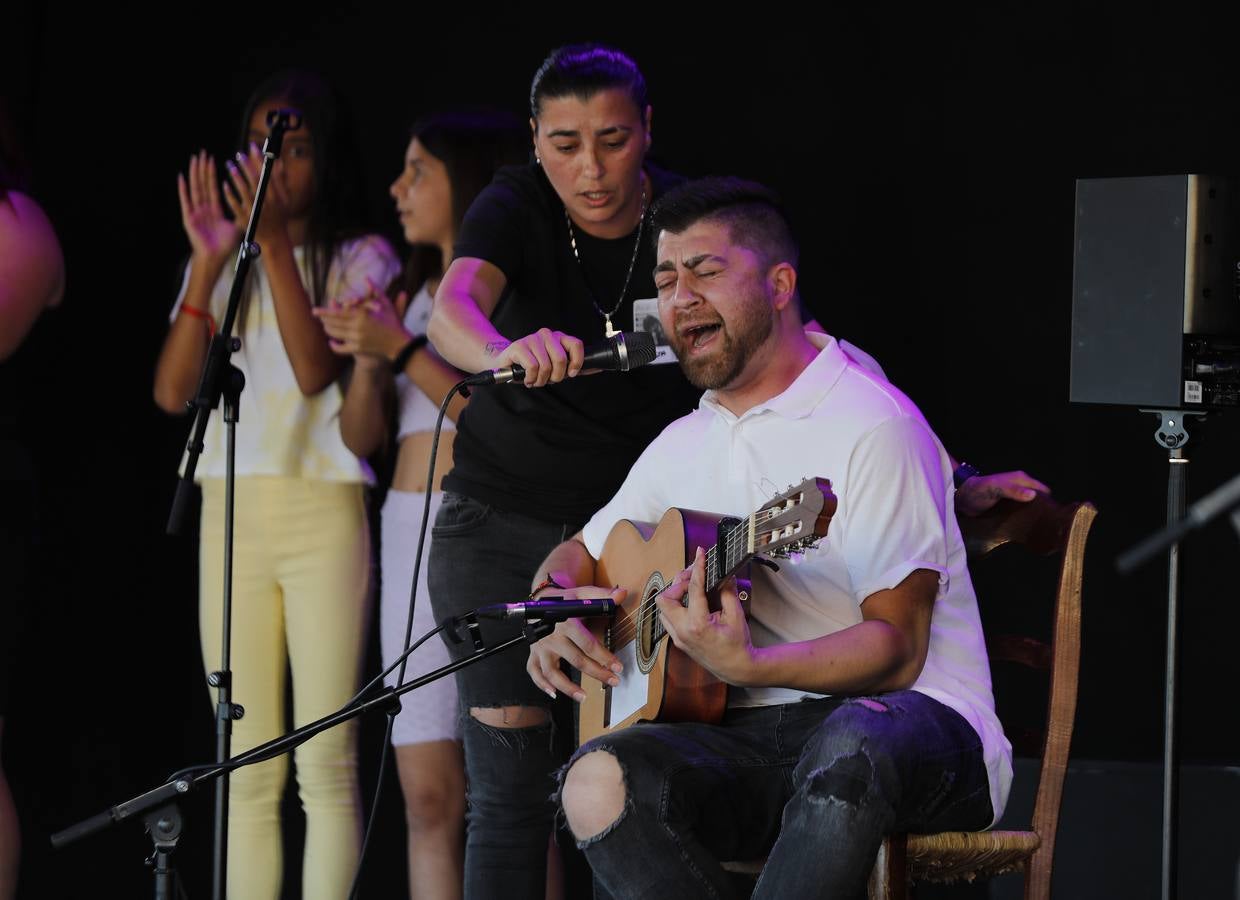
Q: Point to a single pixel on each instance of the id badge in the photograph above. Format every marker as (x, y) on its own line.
(646, 318)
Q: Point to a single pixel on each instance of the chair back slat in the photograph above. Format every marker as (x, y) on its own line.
(1061, 704)
(1044, 526)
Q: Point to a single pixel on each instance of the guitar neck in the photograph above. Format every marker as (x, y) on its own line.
(722, 560)
(728, 555)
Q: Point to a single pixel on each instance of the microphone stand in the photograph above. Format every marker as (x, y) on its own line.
(158, 807)
(221, 379)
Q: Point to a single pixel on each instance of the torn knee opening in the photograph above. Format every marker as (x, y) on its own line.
(582, 796)
(845, 781)
(516, 732)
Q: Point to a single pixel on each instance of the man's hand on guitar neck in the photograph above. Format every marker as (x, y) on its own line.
(717, 641)
(573, 643)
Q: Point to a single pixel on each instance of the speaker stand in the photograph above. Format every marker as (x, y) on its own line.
(1172, 435)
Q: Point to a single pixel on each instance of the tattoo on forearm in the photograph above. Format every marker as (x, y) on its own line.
(495, 348)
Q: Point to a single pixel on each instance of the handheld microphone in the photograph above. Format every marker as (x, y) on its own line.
(619, 353)
(555, 609)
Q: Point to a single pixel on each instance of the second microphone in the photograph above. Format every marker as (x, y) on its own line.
(619, 353)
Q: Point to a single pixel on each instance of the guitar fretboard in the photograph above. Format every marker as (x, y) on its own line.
(737, 547)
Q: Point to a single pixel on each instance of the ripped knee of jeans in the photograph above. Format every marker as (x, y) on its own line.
(593, 794)
(512, 727)
(845, 781)
(511, 716)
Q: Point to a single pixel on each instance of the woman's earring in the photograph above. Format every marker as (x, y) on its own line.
(538, 159)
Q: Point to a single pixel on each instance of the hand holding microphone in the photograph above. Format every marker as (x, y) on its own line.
(546, 357)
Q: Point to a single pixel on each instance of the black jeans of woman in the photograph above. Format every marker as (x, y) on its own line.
(481, 555)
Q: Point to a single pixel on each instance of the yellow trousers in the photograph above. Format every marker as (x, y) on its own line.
(301, 561)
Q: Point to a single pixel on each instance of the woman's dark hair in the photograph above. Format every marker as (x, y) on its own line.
(581, 71)
(471, 145)
(333, 212)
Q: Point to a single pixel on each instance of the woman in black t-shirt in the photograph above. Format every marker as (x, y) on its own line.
(550, 258)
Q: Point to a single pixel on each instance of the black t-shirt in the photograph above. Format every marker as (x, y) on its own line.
(559, 453)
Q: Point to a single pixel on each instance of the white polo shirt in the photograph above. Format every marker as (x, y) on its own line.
(895, 515)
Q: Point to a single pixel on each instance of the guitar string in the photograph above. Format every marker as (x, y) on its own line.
(736, 539)
(649, 607)
(636, 623)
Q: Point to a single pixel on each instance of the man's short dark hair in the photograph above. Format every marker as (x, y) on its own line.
(753, 213)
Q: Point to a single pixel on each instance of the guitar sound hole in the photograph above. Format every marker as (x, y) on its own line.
(648, 630)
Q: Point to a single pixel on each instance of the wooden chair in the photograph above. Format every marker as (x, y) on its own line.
(1043, 526)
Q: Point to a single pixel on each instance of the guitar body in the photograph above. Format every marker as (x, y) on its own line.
(660, 682)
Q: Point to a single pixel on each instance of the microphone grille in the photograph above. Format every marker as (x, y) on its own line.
(641, 348)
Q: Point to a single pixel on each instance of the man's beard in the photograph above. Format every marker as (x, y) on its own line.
(736, 346)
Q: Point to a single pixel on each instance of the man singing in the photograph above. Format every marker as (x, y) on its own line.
(860, 700)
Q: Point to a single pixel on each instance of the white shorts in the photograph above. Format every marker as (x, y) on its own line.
(428, 713)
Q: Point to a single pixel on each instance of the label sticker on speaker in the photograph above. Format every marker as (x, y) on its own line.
(1192, 392)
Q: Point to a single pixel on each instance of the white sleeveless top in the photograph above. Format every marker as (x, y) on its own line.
(280, 431)
(414, 410)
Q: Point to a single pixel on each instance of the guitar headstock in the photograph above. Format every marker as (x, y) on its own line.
(794, 521)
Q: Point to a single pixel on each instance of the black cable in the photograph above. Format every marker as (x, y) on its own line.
(399, 660)
(374, 804)
(404, 657)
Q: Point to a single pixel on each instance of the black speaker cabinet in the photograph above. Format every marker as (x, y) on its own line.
(1155, 315)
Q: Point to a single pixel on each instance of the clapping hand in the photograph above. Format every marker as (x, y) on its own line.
(243, 174)
(213, 237)
(368, 327)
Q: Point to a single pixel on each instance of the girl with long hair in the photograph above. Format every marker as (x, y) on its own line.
(450, 158)
(301, 548)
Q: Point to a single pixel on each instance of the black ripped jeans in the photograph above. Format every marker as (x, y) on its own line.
(481, 555)
(815, 784)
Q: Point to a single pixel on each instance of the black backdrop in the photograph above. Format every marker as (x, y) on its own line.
(929, 167)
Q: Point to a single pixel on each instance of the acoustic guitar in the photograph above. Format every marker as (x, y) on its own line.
(660, 682)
